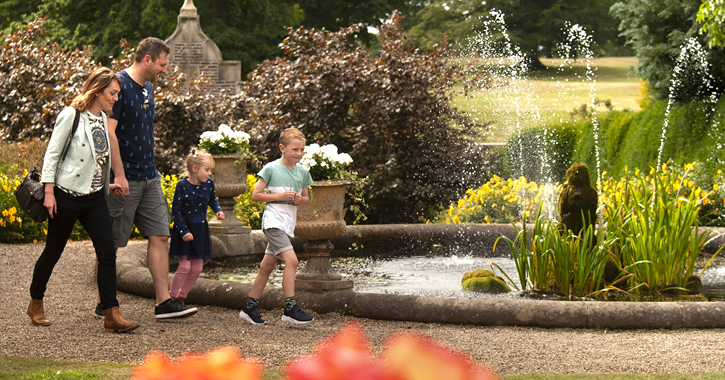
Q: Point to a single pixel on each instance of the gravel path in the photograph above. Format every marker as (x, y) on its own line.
(76, 335)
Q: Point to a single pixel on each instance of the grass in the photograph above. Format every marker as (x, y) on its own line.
(36, 369)
(539, 99)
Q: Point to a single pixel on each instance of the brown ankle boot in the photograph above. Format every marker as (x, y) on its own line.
(181, 300)
(36, 313)
(113, 321)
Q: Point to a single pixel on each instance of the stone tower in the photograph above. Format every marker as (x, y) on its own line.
(195, 53)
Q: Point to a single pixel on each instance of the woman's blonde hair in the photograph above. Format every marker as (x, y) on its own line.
(198, 157)
(95, 84)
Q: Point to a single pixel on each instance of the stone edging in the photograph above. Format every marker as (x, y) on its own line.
(134, 278)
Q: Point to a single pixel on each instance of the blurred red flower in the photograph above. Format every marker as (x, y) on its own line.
(224, 363)
(347, 356)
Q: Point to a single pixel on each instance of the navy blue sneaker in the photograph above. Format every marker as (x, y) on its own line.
(296, 315)
(251, 315)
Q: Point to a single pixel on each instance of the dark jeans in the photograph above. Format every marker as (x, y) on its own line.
(91, 210)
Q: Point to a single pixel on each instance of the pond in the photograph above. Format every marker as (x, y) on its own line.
(424, 275)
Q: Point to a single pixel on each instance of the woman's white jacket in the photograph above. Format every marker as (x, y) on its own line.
(76, 172)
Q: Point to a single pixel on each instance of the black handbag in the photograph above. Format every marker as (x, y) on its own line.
(31, 192)
(30, 195)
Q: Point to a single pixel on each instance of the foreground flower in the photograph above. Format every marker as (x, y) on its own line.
(418, 357)
(225, 363)
(347, 356)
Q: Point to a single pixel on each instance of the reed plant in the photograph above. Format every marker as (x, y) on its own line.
(655, 220)
(531, 255)
(553, 260)
(578, 261)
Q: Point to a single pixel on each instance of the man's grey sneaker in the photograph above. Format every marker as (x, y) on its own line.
(172, 308)
(98, 311)
(296, 315)
(251, 315)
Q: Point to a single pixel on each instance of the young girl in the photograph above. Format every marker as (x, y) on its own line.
(190, 238)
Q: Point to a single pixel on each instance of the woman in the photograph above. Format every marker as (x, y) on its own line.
(75, 189)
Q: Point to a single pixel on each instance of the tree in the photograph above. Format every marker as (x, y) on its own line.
(712, 17)
(336, 14)
(14, 12)
(534, 25)
(245, 30)
(392, 113)
(656, 30)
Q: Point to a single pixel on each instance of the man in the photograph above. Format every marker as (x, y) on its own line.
(140, 198)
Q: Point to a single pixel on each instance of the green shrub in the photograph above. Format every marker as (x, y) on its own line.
(527, 150)
(632, 139)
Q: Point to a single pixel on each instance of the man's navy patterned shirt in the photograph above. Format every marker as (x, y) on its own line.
(134, 112)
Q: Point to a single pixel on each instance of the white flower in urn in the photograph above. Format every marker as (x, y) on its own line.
(324, 162)
(225, 140)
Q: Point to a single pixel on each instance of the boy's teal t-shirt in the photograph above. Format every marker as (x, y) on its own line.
(279, 178)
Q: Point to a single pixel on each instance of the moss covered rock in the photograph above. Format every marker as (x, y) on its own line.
(489, 284)
(477, 273)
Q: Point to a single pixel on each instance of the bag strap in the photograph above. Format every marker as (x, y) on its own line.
(73, 132)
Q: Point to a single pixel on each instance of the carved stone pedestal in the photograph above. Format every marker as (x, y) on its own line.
(319, 221)
(318, 274)
(229, 237)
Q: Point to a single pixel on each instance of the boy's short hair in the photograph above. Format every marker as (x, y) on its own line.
(152, 47)
(290, 134)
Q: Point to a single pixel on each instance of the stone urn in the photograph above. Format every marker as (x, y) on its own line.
(229, 236)
(318, 221)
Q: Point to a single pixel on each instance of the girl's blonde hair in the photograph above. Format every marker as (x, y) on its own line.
(198, 157)
(95, 84)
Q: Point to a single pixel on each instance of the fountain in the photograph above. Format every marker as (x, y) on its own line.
(419, 277)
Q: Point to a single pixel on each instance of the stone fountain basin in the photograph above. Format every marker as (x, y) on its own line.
(134, 278)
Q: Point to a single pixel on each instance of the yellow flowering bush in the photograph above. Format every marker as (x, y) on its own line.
(676, 181)
(16, 227)
(500, 201)
(248, 211)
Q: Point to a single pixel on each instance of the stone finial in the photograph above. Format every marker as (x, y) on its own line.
(188, 9)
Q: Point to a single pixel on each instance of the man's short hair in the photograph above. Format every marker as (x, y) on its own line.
(152, 47)
(290, 134)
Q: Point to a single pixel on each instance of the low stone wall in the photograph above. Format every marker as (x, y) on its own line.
(134, 278)
(476, 239)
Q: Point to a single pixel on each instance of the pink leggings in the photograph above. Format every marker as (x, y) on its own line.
(185, 276)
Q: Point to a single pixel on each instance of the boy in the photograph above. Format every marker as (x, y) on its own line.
(287, 184)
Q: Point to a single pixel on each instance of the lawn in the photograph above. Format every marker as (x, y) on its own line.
(37, 369)
(550, 95)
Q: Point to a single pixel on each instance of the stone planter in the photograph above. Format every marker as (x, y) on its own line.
(229, 236)
(318, 221)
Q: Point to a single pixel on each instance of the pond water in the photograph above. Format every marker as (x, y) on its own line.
(423, 275)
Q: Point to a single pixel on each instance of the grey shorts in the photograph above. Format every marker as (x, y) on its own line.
(277, 242)
(146, 207)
